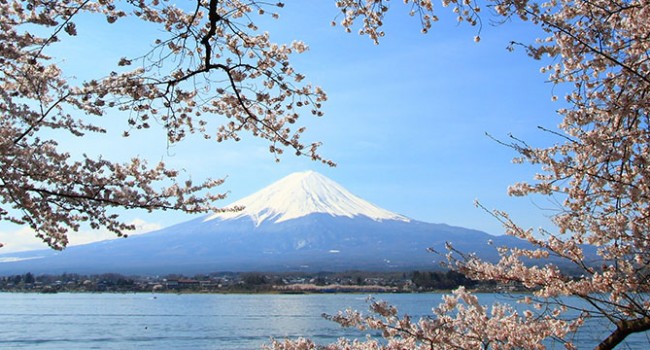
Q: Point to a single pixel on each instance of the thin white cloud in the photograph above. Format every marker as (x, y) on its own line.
(23, 239)
(20, 240)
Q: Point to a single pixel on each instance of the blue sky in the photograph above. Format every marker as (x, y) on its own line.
(405, 120)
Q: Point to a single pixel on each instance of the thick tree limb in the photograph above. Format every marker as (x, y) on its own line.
(624, 328)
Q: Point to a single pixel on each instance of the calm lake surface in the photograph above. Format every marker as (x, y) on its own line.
(196, 321)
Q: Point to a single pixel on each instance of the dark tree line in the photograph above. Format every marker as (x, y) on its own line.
(429, 280)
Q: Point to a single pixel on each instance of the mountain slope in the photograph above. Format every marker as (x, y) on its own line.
(304, 221)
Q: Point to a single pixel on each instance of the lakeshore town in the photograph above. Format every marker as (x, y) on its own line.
(250, 282)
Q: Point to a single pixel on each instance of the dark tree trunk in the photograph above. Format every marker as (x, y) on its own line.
(623, 329)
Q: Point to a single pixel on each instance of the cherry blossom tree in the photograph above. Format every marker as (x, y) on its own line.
(212, 72)
(597, 171)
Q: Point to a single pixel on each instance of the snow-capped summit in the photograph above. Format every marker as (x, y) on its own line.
(300, 194)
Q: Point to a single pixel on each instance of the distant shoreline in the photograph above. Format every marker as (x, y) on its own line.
(253, 283)
(344, 290)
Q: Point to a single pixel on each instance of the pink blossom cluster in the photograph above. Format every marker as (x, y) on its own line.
(210, 72)
(459, 322)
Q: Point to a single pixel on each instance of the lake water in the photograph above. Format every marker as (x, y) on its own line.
(193, 321)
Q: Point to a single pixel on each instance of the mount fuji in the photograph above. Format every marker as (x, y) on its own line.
(304, 221)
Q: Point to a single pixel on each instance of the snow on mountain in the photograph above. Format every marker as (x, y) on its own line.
(301, 194)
